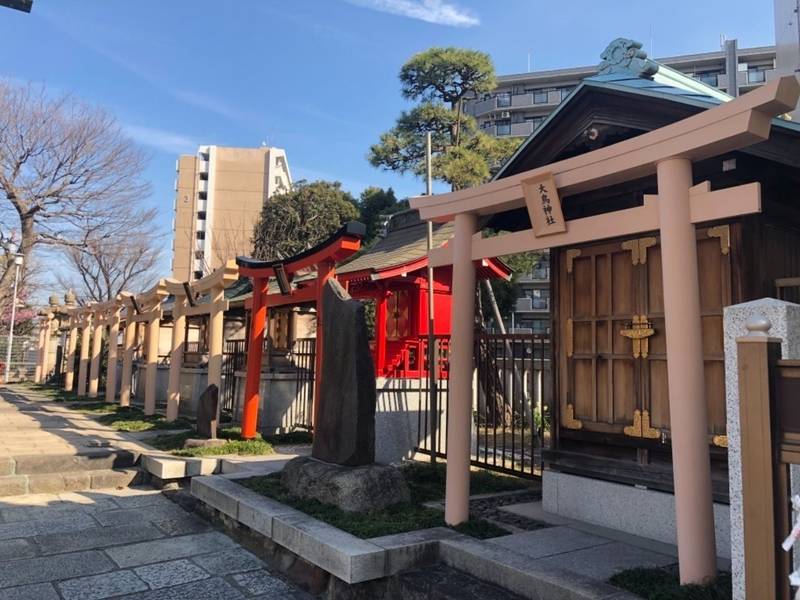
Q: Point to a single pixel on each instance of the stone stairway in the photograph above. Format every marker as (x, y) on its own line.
(80, 471)
(47, 448)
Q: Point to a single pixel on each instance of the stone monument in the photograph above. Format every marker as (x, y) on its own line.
(341, 470)
(207, 411)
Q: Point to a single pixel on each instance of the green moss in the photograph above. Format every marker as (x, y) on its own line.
(663, 584)
(128, 418)
(234, 444)
(293, 437)
(427, 482)
(398, 518)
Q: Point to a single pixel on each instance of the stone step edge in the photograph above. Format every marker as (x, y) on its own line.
(355, 560)
(87, 460)
(74, 481)
(171, 468)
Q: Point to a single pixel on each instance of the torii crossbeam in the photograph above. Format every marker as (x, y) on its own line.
(322, 258)
(667, 152)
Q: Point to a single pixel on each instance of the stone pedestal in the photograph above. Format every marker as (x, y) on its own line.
(352, 489)
(785, 320)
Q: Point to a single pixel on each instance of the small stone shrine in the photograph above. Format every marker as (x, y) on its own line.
(207, 411)
(341, 470)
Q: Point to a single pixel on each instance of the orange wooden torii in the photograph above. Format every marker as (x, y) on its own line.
(322, 258)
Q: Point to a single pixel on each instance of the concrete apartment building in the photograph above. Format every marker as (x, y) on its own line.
(521, 102)
(219, 192)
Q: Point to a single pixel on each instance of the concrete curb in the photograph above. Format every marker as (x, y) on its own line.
(355, 560)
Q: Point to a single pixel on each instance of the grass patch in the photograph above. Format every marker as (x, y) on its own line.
(663, 584)
(292, 437)
(51, 392)
(398, 518)
(427, 482)
(173, 443)
(128, 418)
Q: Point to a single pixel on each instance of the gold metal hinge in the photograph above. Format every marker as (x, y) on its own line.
(572, 254)
(570, 422)
(720, 440)
(640, 428)
(723, 232)
(633, 246)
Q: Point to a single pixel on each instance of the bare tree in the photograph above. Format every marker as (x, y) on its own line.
(64, 168)
(119, 254)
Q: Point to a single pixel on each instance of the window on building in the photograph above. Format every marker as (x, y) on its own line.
(204, 176)
(201, 215)
(198, 274)
(201, 235)
(198, 254)
(540, 96)
(756, 74)
(566, 91)
(202, 195)
(709, 78)
(503, 127)
(540, 298)
(541, 326)
(503, 99)
(535, 121)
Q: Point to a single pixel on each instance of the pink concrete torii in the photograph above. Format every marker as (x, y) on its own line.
(668, 152)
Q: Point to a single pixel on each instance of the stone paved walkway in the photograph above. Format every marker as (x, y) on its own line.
(133, 544)
(31, 424)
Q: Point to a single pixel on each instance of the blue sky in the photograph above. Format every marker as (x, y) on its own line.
(316, 77)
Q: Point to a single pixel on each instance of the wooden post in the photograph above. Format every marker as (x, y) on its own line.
(176, 358)
(325, 270)
(691, 462)
(153, 332)
(255, 351)
(380, 333)
(97, 349)
(38, 373)
(216, 327)
(72, 344)
(461, 366)
(757, 358)
(127, 362)
(83, 365)
(111, 366)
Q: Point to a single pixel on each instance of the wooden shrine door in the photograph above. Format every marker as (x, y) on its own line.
(613, 367)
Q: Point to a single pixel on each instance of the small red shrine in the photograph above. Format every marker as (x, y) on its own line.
(393, 273)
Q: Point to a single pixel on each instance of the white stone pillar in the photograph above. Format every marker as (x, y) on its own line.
(785, 320)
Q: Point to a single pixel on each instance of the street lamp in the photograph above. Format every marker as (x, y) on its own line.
(17, 265)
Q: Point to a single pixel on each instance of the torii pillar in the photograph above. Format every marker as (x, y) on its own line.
(176, 357)
(83, 363)
(72, 344)
(129, 342)
(668, 152)
(111, 366)
(99, 327)
(38, 374)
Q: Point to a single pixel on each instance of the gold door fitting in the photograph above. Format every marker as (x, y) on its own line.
(723, 232)
(720, 440)
(570, 422)
(572, 254)
(640, 329)
(640, 428)
(638, 249)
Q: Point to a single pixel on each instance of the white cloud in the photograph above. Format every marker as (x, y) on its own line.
(164, 141)
(439, 12)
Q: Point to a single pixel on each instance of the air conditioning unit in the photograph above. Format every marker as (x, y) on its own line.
(505, 114)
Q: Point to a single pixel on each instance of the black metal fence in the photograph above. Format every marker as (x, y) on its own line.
(511, 407)
(303, 357)
(234, 358)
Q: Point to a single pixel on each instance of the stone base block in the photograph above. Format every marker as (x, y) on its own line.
(352, 489)
(638, 511)
(203, 443)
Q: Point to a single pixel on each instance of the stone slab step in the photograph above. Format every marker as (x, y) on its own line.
(86, 460)
(69, 481)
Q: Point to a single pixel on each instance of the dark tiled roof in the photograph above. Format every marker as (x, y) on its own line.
(405, 242)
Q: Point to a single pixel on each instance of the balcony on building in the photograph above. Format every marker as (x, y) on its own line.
(507, 101)
(202, 186)
(749, 78)
(202, 166)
